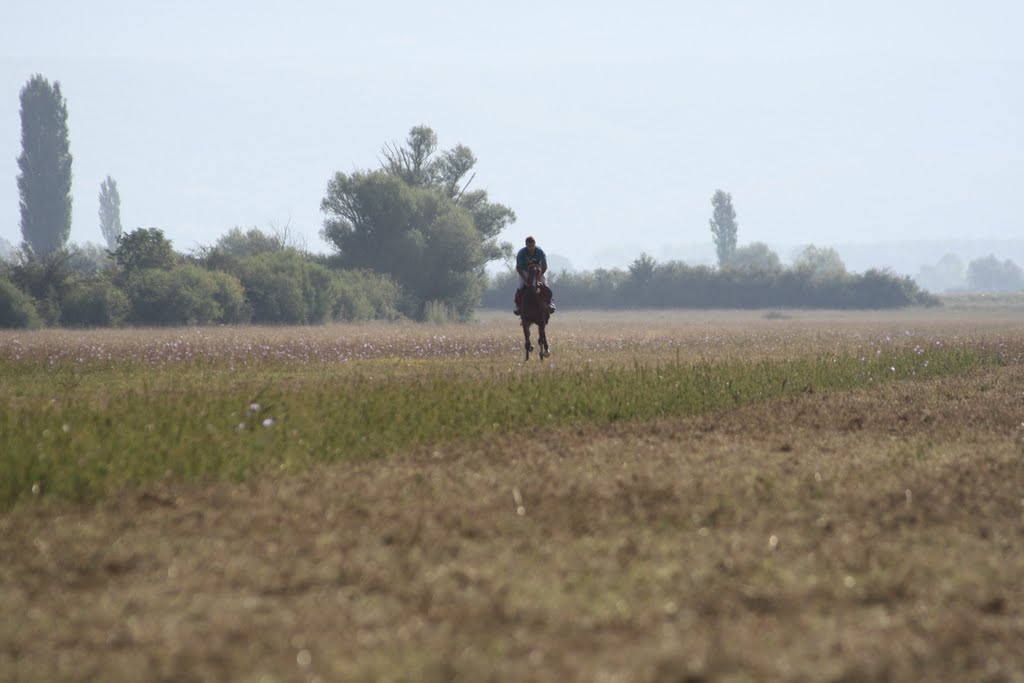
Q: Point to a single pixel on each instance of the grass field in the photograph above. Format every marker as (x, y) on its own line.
(678, 496)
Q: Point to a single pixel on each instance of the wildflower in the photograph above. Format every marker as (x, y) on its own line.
(269, 422)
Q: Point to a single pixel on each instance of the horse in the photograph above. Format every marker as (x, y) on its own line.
(534, 311)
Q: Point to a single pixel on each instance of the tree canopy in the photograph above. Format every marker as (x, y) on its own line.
(755, 256)
(144, 248)
(44, 181)
(820, 261)
(989, 274)
(724, 228)
(414, 220)
(110, 212)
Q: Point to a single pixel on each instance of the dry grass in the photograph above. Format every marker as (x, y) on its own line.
(865, 535)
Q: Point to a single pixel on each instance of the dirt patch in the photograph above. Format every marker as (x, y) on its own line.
(868, 535)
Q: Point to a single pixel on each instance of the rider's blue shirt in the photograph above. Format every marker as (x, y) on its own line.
(524, 258)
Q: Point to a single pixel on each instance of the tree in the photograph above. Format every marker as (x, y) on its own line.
(144, 248)
(641, 270)
(6, 250)
(412, 163)
(948, 274)
(47, 279)
(989, 274)
(110, 212)
(724, 228)
(16, 307)
(415, 221)
(419, 165)
(821, 262)
(88, 259)
(44, 182)
(755, 256)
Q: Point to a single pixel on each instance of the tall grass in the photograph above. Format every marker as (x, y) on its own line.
(84, 431)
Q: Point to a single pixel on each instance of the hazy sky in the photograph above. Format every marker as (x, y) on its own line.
(606, 126)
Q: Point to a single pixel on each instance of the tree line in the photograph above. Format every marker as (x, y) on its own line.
(411, 239)
(750, 276)
(673, 284)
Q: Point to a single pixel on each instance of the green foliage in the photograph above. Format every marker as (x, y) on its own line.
(677, 285)
(6, 250)
(185, 295)
(641, 271)
(820, 262)
(415, 221)
(89, 259)
(44, 180)
(366, 295)
(110, 212)
(95, 303)
(144, 248)
(46, 279)
(229, 295)
(755, 256)
(237, 244)
(438, 313)
(283, 287)
(724, 228)
(16, 308)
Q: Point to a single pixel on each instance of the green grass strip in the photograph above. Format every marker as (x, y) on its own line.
(87, 435)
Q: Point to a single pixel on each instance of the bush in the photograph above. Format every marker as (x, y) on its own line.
(230, 296)
(95, 303)
(16, 308)
(274, 287)
(186, 295)
(47, 280)
(365, 295)
(438, 313)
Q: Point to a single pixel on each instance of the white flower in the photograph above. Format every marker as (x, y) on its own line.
(269, 422)
(254, 407)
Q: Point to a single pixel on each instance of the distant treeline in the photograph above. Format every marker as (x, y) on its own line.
(676, 285)
(246, 278)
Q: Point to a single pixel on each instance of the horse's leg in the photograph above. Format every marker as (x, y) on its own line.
(543, 339)
(526, 335)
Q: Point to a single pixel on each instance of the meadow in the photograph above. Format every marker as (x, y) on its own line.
(708, 495)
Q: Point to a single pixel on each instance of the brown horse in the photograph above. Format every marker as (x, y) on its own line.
(534, 310)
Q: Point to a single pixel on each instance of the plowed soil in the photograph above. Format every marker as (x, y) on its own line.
(873, 535)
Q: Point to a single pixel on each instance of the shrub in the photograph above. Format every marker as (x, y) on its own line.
(365, 295)
(185, 295)
(274, 288)
(230, 296)
(47, 280)
(438, 313)
(16, 308)
(95, 303)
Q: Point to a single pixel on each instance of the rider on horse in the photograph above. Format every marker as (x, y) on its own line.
(529, 254)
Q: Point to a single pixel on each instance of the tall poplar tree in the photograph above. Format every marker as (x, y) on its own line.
(110, 212)
(44, 182)
(724, 227)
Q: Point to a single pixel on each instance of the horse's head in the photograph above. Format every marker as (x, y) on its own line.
(533, 275)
